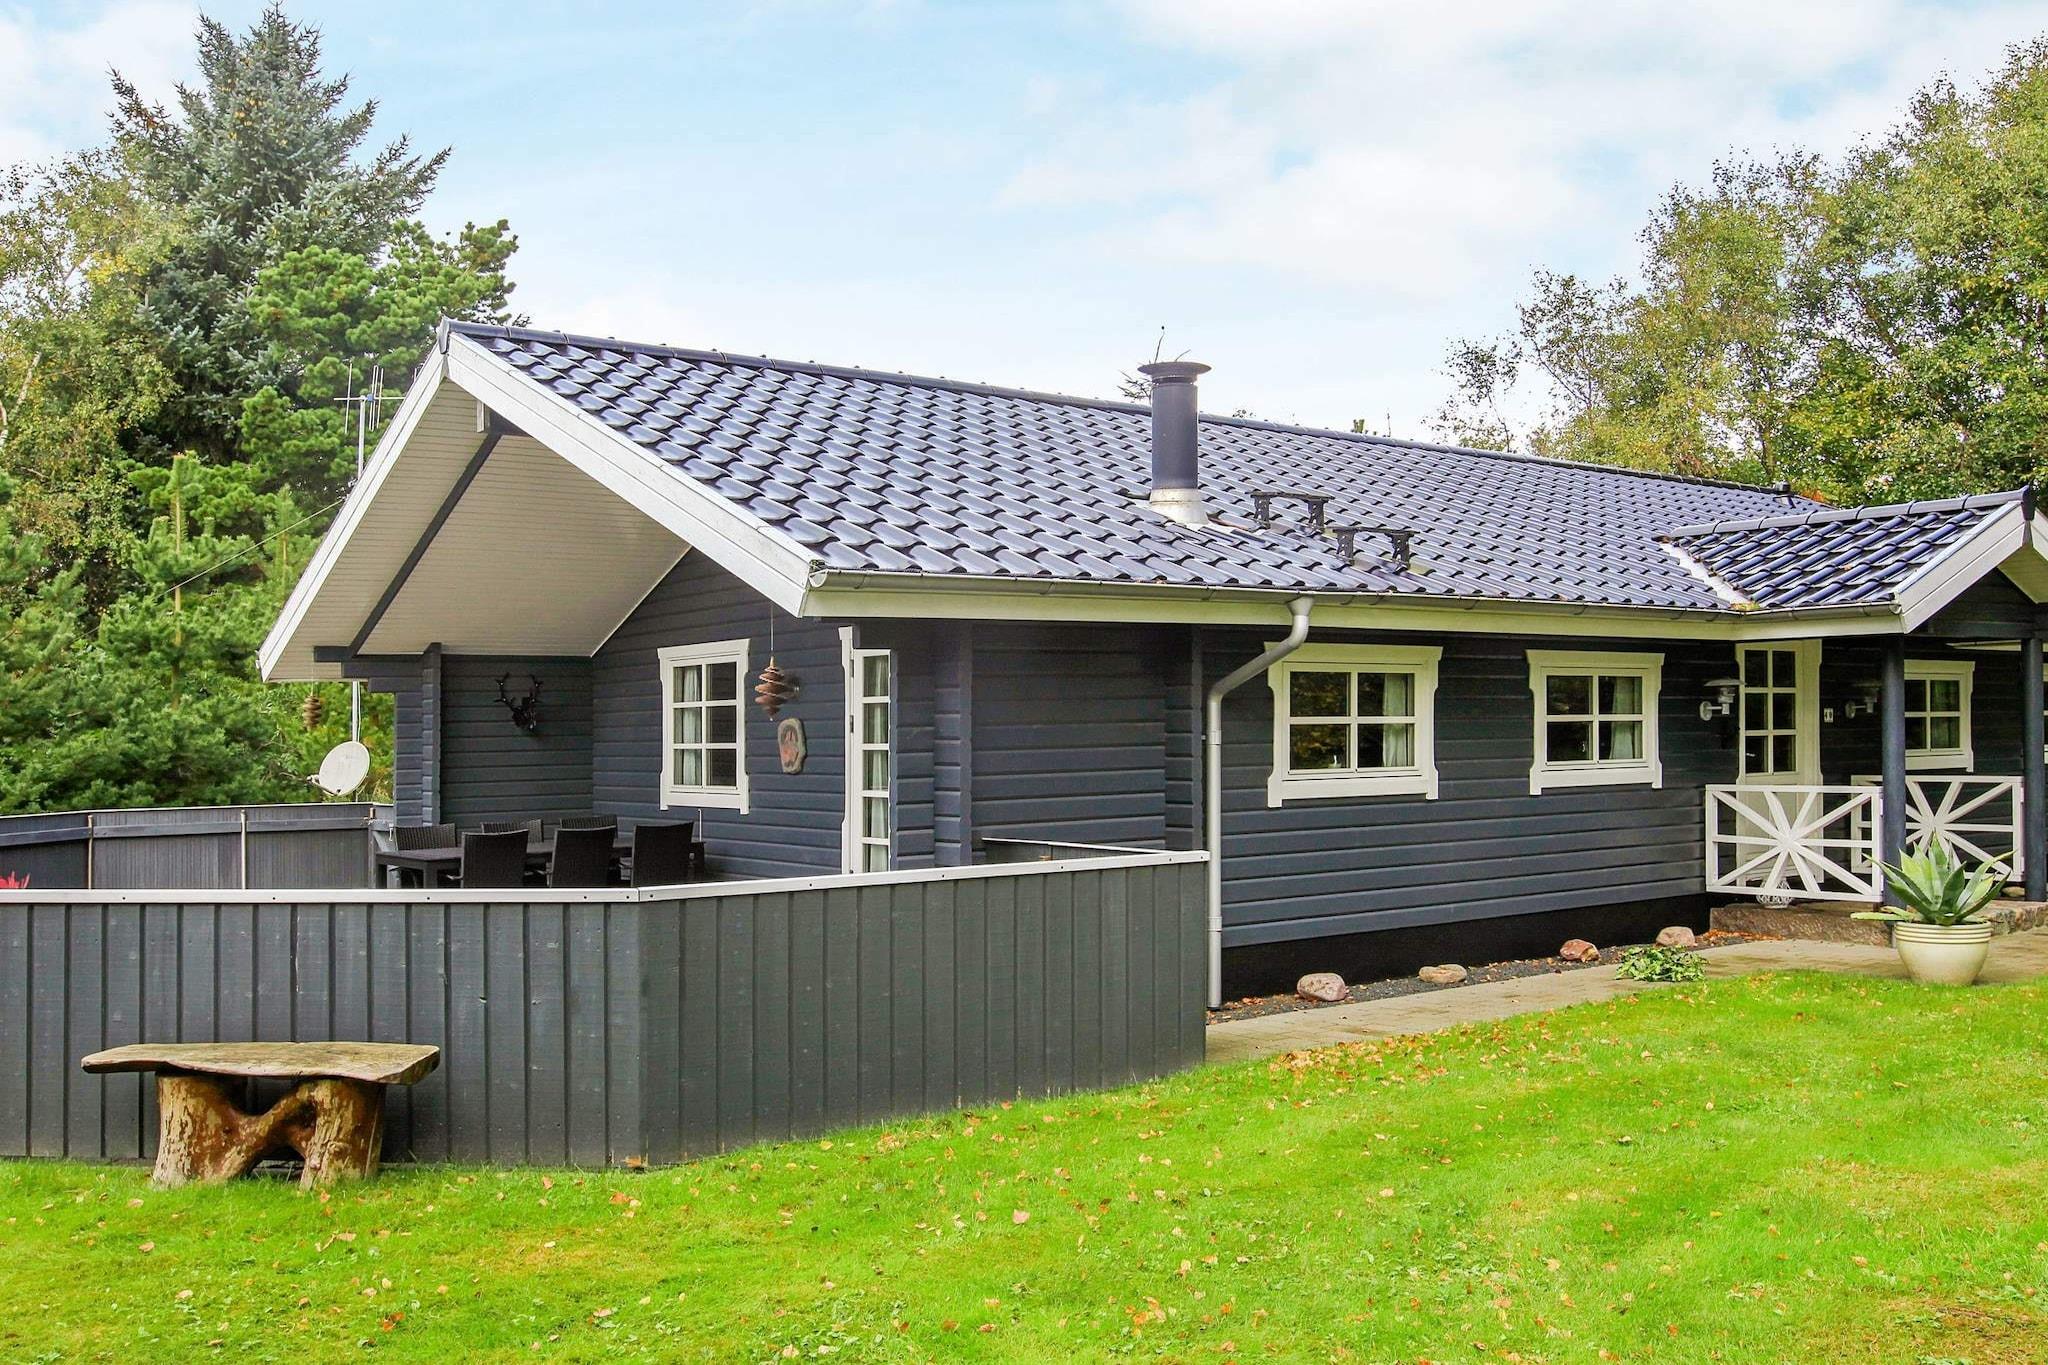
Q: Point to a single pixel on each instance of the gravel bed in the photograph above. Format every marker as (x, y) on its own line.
(1254, 1006)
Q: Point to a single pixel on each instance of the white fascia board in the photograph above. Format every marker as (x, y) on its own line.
(416, 401)
(764, 559)
(1944, 578)
(2028, 568)
(859, 595)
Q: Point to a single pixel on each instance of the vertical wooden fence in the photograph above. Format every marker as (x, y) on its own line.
(608, 1027)
(320, 844)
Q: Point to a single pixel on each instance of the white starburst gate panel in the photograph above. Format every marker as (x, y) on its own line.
(1981, 819)
(1808, 843)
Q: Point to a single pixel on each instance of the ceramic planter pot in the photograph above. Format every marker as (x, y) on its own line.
(1943, 954)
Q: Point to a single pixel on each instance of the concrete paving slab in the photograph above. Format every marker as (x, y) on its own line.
(2015, 957)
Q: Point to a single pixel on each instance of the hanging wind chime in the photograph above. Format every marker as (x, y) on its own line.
(775, 689)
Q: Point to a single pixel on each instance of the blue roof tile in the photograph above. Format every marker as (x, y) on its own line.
(895, 474)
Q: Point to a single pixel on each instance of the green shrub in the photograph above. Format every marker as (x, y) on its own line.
(1649, 962)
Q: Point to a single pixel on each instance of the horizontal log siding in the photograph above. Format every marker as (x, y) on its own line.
(602, 1033)
(795, 824)
(493, 770)
(1485, 847)
(1069, 733)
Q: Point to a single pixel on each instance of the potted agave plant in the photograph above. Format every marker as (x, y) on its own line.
(1936, 927)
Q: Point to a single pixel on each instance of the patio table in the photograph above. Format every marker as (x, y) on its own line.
(430, 863)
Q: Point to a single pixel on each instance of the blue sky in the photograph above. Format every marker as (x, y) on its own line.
(1314, 196)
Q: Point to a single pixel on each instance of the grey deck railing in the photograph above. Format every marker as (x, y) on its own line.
(205, 848)
(620, 1026)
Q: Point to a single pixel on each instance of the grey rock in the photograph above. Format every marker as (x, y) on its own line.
(1676, 936)
(1326, 987)
(1449, 974)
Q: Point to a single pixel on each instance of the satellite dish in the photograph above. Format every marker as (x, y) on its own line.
(344, 769)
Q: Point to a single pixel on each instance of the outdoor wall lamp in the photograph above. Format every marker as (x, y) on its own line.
(1722, 702)
(1865, 702)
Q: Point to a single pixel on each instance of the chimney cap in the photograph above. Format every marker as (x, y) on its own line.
(1173, 371)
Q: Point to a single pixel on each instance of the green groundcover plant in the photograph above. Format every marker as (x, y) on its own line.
(1654, 962)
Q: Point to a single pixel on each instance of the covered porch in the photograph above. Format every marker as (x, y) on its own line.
(1934, 737)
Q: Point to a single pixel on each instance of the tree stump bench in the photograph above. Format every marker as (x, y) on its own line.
(333, 1117)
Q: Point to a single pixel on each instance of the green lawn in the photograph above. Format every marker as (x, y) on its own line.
(1782, 1168)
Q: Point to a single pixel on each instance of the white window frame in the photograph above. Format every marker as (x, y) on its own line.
(1963, 672)
(854, 840)
(1806, 714)
(1647, 771)
(1417, 779)
(673, 794)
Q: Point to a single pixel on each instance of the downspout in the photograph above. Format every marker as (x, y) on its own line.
(1212, 778)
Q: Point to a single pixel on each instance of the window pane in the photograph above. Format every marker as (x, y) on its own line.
(1621, 741)
(874, 725)
(1784, 756)
(689, 725)
(1386, 746)
(1570, 741)
(875, 817)
(724, 768)
(675, 765)
(874, 768)
(1944, 732)
(1386, 694)
(1756, 756)
(1916, 732)
(1318, 694)
(725, 723)
(1568, 694)
(1784, 711)
(690, 767)
(1784, 668)
(1916, 694)
(874, 672)
(1315, 747)
(689, 683)
(874, 857)
(1622, 696)
(1756, 667)
(725, 681)
(1756, 710)
(1944, 694)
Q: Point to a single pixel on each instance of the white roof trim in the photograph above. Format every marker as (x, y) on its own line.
(417, 399)
(763, 558)
(1944, 578)
(1719, 586)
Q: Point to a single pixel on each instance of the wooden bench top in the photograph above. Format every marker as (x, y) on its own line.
(376, 1063)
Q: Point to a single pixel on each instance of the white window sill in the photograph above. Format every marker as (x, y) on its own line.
(1282, 790)
(1940, 760)
(709, 798)
(1596, 775)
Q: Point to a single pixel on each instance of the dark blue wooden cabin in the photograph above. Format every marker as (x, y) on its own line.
(1476, 697)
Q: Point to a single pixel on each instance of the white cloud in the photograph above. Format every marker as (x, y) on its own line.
(54, 87)
(1412, 151)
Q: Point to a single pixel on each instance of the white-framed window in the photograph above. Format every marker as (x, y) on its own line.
(704, 733)
(1596, 719)
(1354, 720)
(1938, 713)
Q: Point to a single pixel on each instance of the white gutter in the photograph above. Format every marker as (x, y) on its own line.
(1212, 778)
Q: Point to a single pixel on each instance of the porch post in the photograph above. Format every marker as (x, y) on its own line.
(2034, 770)
(1891, 842)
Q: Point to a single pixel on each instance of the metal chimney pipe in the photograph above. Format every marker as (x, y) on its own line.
(1176, 439)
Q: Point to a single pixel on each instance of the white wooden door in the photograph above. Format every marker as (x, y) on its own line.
(1779, 714)
(869, 844)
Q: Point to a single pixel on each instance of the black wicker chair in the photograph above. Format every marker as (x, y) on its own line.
(406, 838)
(494, 860)
(662, 852)
(583, 857)
(531, 828)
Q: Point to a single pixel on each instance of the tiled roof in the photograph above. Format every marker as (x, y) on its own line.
(889, 474)
(1848, 557)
